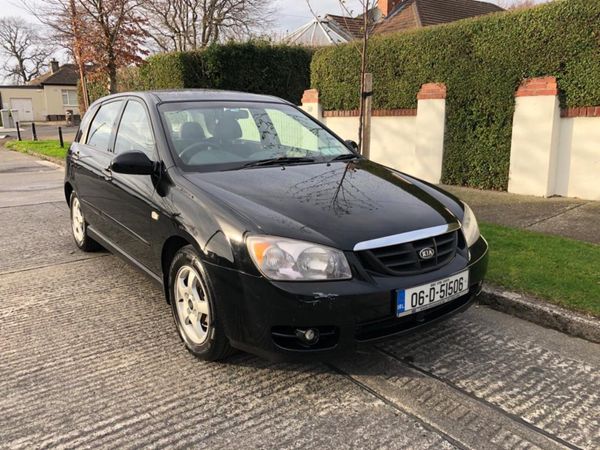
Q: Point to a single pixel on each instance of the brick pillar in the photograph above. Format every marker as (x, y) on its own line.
(535, 138)
(430, 131)
(310, 104)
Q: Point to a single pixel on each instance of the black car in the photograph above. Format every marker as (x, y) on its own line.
(268, 232)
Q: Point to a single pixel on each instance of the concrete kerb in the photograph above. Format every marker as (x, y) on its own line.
(58, 161)
(541, 313)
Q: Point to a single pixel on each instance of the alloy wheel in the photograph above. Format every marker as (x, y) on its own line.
(193, 308)
(77, 221)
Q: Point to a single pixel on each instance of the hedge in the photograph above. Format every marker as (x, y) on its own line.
(257, 67)
(482, 61)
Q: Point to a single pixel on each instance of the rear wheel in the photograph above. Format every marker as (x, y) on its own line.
(79, 226)
(193, 305)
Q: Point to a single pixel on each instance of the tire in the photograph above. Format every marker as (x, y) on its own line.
(79, 226)
(192, 299)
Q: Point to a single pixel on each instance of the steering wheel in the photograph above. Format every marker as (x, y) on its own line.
(193, 150)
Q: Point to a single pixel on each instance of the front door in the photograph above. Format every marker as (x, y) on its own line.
(132, 197)
(24, 106)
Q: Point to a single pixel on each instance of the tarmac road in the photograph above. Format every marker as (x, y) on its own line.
(90, 358)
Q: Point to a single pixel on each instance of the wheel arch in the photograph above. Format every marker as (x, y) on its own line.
(169, 249)
(68, 192)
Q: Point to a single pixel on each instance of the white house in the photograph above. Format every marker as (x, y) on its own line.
(47, 97)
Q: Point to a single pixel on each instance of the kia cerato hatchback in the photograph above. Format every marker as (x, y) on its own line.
(268, 232)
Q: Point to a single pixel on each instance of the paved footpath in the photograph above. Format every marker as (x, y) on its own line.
(89, 357)
(569, 217)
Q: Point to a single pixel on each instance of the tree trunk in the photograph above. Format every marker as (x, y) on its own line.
(367, 110)
(112, 75)
(22, 71)
(78, 56)
(363, 71)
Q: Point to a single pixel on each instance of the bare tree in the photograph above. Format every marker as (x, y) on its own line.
(364, 135)
(180, 25)
(366, 15)
(25, 51)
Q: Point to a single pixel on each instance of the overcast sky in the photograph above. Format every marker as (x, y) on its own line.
(291, 14)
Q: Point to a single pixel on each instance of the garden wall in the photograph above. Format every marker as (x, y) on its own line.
(553, 150)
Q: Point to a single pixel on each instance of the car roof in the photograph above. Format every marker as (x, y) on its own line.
(185, 95)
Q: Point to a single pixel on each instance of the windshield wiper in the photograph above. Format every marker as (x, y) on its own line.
(278, 161)
(345, 157)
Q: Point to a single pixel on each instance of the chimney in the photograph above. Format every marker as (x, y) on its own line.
(54, 66)
(387, 6)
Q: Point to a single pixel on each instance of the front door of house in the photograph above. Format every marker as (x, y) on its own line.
(25, 108)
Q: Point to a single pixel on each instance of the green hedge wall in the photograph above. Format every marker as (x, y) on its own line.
(257, 67)
(482, 61)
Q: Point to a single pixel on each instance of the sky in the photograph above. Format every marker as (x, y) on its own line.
(290, 14)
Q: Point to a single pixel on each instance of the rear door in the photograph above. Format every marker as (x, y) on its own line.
(93, 157)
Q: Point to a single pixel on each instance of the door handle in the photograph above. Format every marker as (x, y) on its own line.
(107, 174)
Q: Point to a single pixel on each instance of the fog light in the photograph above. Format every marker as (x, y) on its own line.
(309, 336)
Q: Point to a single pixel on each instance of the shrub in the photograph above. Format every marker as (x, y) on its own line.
(482, 61)
(257, 67)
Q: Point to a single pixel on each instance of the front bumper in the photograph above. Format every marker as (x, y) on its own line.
(261, 316)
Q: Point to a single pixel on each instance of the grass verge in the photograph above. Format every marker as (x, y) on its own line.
(563, 271)
(48, 148)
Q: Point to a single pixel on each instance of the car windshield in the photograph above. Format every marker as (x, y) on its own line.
(227, 136)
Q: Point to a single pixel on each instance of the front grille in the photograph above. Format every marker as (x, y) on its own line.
(404, 259)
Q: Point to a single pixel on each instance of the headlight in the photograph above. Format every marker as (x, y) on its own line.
(288, 259)
(469, 226)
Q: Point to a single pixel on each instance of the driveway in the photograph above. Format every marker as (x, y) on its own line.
(90, 357)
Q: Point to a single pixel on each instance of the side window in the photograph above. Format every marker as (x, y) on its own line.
(135, 131)
(103, 125)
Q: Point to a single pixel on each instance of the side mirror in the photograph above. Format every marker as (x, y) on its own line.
(352, 145)
(133, 163)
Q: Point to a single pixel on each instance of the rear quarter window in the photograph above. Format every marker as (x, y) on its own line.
(84, 125)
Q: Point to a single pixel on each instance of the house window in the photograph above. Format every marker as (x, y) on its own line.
(69, 98)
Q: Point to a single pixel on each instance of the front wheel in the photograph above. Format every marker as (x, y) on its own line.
(193, 305)
(79, 226)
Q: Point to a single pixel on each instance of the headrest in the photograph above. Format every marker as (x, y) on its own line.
(228, 129)
(192, 131)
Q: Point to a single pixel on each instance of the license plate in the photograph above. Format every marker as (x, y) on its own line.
(428, 295)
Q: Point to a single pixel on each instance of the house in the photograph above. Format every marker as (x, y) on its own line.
(47, 97)
(402, 15)
(389, 16)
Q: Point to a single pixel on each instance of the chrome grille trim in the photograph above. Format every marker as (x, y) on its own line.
(409, 236)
